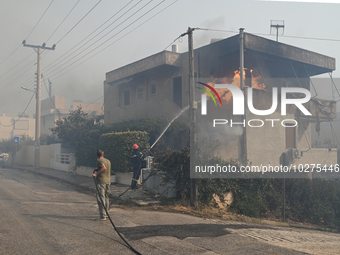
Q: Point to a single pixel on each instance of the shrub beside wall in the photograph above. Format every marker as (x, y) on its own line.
(314, 201)
(117, 148)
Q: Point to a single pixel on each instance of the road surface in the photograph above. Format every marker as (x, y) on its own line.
(40, 215)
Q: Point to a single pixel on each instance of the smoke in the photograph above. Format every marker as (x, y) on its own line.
(205, 38)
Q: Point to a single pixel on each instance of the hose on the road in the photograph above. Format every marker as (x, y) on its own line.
(123, 192)
(107, 213)
(140, 166)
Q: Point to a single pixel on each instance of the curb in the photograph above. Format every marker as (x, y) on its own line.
(84, 187)
(277, 224)
(240, 218)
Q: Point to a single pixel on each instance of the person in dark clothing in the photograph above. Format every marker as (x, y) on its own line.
(137, 161)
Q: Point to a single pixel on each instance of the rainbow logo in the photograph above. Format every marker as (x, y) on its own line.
(209, 93)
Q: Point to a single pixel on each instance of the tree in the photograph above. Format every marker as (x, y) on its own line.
(82, 133)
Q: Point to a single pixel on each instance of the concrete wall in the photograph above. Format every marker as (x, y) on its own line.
(84, 170)
(156, 185)
(50, 157)
(87, 171)
(124, 178)
(149, 106)
(25, 156)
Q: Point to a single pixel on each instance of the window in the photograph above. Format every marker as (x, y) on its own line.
(127, 97)
(153, 89)
(139, 93)
(290, 131)
(177, 90)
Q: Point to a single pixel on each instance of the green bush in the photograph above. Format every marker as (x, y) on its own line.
(117, 148)
(82, 132)
(176, 165)
(174, 138)
(314, 201)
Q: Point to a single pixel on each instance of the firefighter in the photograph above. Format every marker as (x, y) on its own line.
(137, 161)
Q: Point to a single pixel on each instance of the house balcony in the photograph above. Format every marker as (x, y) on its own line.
(322, 110)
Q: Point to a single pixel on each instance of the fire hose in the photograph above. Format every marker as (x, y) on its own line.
(139, 169)
(150, 175)
(107, 213)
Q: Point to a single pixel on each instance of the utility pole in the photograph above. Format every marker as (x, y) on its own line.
(37, 49)
(243, 87)
(193, 107)
(241, 58)
(279, 24)
(49, 88)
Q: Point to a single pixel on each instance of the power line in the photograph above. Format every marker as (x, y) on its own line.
(289, 36)
(153, 56)
(79, 21)
(122, 38)
(104, 36)
(69, 30)
(92, 33)
(29, 65)
(20, 115)
(16, 66)
(39, 19)
(12, 97)
(63, 20)
(9, 95)
(129, 33)
(11, 54)
(105, 41)
(17, 77)
(311, 38)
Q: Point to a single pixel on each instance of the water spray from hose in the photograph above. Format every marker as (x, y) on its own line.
(186, 108)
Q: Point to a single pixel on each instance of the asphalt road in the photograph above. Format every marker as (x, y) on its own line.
(39, 215)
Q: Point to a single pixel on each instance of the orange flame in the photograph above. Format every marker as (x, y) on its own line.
(256, 83)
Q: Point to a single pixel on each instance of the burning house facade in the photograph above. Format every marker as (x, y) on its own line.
(159, 86)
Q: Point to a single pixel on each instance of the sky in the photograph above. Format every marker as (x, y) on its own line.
(94, 37)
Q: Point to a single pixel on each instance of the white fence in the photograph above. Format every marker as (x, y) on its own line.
(64, 161)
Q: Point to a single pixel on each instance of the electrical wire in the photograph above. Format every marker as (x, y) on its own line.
(14, 99)
(11, 54)
(52, 75)
(17, 76)
(79, 21)
(20, 115)
(88, 104)
(334, 134)
(67, 32)
(16, 66)
(289, 36)
(47, 69)
(39, 19)
(63, 20)
(122, 38)
(57, 109)
(116, 41)
(333, 83)
(9, 97)
(59, 25)
(6, 96)
(47, 91)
